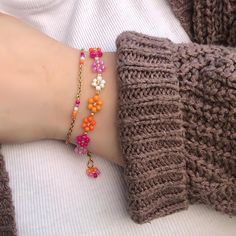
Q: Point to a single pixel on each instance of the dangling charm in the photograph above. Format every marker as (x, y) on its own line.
(91, 171)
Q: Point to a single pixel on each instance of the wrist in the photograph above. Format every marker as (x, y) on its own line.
(104, 140)
(63, 71)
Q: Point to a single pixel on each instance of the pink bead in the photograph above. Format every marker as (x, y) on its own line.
(92, 54)
(95, 52)
(95, 175)
(82, 140)
(80, 150)
(98, 66)
(77, 103)
(99, 53)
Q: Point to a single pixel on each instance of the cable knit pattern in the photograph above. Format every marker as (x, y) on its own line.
(207, 76)
(7, 217)
(210, 21)
(177, 104)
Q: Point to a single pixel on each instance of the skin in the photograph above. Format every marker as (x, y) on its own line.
(38, 86)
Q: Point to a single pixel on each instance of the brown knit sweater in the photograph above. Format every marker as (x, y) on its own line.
(177, 122)
(208, 21)
(7, 215)
(176, 116)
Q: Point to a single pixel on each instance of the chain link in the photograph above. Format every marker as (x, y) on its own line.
(78, 93)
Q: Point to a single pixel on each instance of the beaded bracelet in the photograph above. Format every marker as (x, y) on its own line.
(77, 100)
(94, 105)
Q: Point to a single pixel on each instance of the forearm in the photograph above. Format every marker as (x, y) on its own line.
(38, 88)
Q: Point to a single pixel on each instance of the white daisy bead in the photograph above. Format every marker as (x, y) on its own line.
(98, 83)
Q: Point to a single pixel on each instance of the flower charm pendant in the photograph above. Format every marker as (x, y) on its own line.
(93, 172)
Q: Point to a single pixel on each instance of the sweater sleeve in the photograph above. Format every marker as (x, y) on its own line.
(207, 22)
(151, 127)
(7, 209)
(176, 120)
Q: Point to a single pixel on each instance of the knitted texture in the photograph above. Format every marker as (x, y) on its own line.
(208, 22)
(150, 127)
(7, 214)
(207, 77)
(183, 10)
(177, 116)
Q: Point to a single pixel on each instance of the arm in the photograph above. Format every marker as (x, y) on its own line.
(176, 113)
(38, 86)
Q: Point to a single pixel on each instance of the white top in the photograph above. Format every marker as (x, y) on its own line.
(51, 193)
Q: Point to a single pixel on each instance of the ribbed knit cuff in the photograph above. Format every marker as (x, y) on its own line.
(150, 127)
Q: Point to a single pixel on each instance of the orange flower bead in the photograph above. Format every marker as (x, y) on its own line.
(95, 104)
(88, 123)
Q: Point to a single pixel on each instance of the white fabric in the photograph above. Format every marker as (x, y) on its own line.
(51, 193)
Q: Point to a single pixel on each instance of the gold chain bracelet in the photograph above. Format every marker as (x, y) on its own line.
(77, 100)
